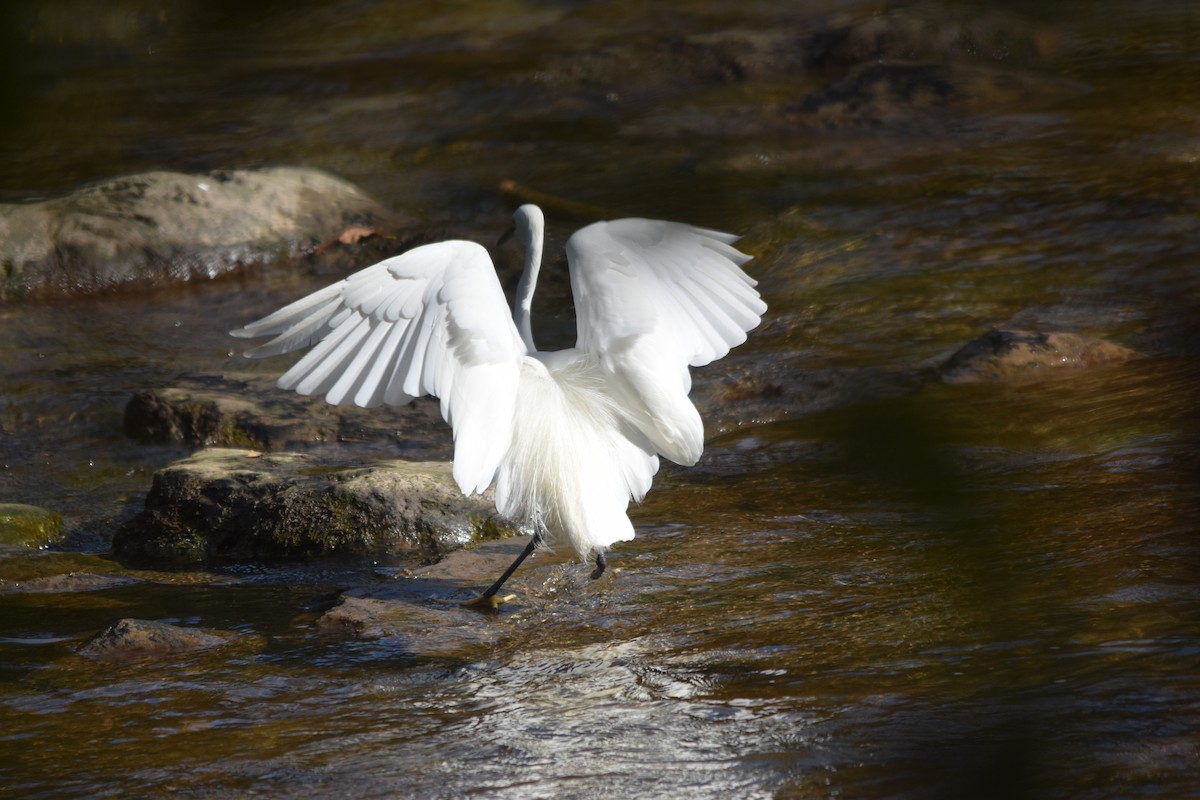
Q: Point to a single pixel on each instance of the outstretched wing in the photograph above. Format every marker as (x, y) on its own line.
(430, 321)
(651, 299)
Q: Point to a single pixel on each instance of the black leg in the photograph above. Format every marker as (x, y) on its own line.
(601, 564)
(486, 599)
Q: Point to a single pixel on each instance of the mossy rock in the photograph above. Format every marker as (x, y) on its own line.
(28, 526)
(194, 419)
(224, 506)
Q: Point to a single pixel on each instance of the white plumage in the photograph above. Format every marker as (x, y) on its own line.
(568, 437)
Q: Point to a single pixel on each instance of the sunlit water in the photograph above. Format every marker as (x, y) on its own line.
(874, 584)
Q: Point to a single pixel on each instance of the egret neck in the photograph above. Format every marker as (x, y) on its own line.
(530, 225)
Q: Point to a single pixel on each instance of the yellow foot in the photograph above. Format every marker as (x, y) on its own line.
(485, 603)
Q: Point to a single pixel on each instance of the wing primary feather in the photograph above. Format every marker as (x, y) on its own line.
(374, 385)
(702, 321)
(405, 379)
(299, 334)
(737, 301)
(321, 374)
(729, 332)
(354, 373)
(432, 349)
(287, 316)
(709, 233)
(722, 245)
(721, 281)
(716, 267)
(302, 367)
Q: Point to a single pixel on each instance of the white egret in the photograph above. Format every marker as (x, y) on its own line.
(568, 437)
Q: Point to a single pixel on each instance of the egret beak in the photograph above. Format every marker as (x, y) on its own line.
(508, 234)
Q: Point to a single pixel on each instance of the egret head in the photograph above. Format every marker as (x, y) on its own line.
(529, 221)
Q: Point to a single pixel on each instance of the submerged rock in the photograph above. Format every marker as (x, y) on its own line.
(444, 629)
(67, 583)
(225, 506)
(137, 638)
(1001, 355)
(671, 64)
(421, 609)
(24, 525)
(912, 97)
(929, 32)
(925, 68)
(160, 227)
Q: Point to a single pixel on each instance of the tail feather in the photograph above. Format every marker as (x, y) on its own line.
(575, 461)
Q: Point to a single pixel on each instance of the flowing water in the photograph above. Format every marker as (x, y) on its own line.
(875, 584)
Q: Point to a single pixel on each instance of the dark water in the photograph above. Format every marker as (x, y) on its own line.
(874, 584)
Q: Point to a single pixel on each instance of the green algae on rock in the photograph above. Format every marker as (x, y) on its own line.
(222, 506)
(24, 525)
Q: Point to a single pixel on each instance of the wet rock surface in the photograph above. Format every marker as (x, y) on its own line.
(132, 639)
(1019, 356)
(422, 608)
(197, 417)
(24, 525)
(67, 583)
(232, 506)
(161, 227)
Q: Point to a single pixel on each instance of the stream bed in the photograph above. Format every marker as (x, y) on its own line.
(877, 582)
